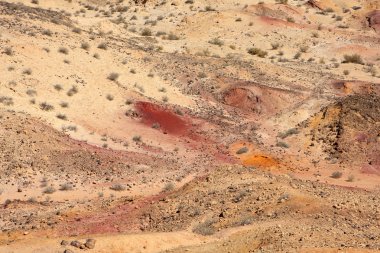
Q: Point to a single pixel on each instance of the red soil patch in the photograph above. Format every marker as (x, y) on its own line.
(168, 121)
(279, 22)
(374, 20)
(241, 98)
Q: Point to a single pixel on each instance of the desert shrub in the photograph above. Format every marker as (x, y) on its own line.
(96, 56)
(205, 228)
(209, 8)
(49, 190)
(202, 75)
(46, 107)
(168, 187)
(6, 100)
(64, 104)
(47, 32)
(245, 220)
(103, 46)
(238, 20)
(58, 87)
(336, 174)
(117, 187)
(136, 138)
(297, 55)
(109, 97)
(113, 76)
(350, 178)
(304, 48)
(242, 150)
(346, 72)
(146, 32)
(61, 116)
(63, 50)
(355, 58)
(31, 92)
(216, 41)
(27, 71)
(290, 19)
(85, 46)
(275, 45)
(287, 133)
(72, 91)
(257, 51)
(77, 30)
(282, 144)
(66, 187)
(282, 1)
(172, 36)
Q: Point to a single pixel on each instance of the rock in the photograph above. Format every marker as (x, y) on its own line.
(90, 243)
(76, 244)
(64, 242)
(68, 251)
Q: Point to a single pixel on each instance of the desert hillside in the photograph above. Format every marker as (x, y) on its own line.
(189, 126)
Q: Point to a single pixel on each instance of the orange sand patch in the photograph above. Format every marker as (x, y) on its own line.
(259, 160)
(253, 157)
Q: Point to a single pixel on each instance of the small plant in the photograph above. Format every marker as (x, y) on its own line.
(304, 48)
(77, 30)
(47, 32)
(27, 72)
(6, 100)
(209, 8)
(282, 144)
(205, 228)
(297, 55)
(336, 174)
(72, 91)
(257, 51)
(288, 133)
(136, 138)
(290, 19)
(58, 87)
(275, 45)
(242, 150)
(85, 46)
(113, 76)
(109, 97)
(103, 46)
(49, 190)
(355, 58)
(46, 107)
(66, 187)
(168, 187)
(146, 32)
(64, 104)
(63, 50)
(61, 116)
(117, 187)
(217, 41)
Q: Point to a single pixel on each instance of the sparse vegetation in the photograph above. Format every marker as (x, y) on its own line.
(113, 76)
(117, 187)
(355, 58)
(336, 174)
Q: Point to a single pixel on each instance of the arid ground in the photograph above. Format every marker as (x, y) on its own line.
(189, 126)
